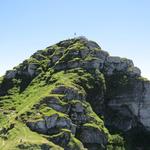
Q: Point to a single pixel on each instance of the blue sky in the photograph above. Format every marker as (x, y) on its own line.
(122, 27)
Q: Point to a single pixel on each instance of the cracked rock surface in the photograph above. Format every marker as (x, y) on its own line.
(74, 96)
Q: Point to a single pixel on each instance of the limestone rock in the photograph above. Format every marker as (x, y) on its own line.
(52, 124)
(54, 103)
(134, 71)
(92, 64)
(51, 121)
(11, 74)
(73, 64)
(77, 113)
(69, 93)
(32, 69)
(116, 64)
(55, 58)
(38, 126)
(77, 107)
(132, 106)
(90, 135)
(62, 139)
(99, 54)
(84, 52)
(92, 45)
(38, 55)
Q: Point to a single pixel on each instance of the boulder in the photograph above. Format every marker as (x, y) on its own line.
(51, 121)
(62, 139)
(32, 69)
(84, 52)
(77, 113)
(11, 74)
(55, 58)
(92, 136)
(92, 64)
(38, 126)
(54, 102)
(60, 66)
(73, 64)
(72, 53)
(38, 55)
(69, 93)
(99, 54)
(77, 107)
(134, 71)
(117, 64)
(52, 124)
(78, 118)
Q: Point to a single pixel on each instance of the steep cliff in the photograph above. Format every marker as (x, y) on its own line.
(74, 96)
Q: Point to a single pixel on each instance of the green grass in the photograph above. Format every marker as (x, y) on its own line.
(75, 144)
(24, 102)
(21, 106)
(21, 134)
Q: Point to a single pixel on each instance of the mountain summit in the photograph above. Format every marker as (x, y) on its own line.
(74, 96)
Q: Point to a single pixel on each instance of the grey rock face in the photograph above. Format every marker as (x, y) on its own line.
(38, 55)
(92, 45)
(38, 126)
(84, 52)
(54, 103)
(52, 124)
(32, 69)
(132, 105)
(134, 71)
(95, 58)
(121, 118)
(77, 114)
(99, 54)
(73, 64)
(51, 121)
(90, 135)
(55, 58)
(63, 139)
(69, 93)
(124, 105)
(144, 106)
(77, 107)
(60, 66)
(92, 64)
(72, 53)
(66, 140)
(118, 64)
(10, 74)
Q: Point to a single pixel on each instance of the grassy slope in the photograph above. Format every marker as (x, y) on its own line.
(16, 103)
(24, 102)
(21, 134)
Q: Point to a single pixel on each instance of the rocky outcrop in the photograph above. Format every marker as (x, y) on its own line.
(52, 124)
(126, 106)
(32, 69)
(131, 103)
(70, 93)
(75, 95)
(117, 64)
(54, 102)
(71, 101)
(10, 74)
(92, 137)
